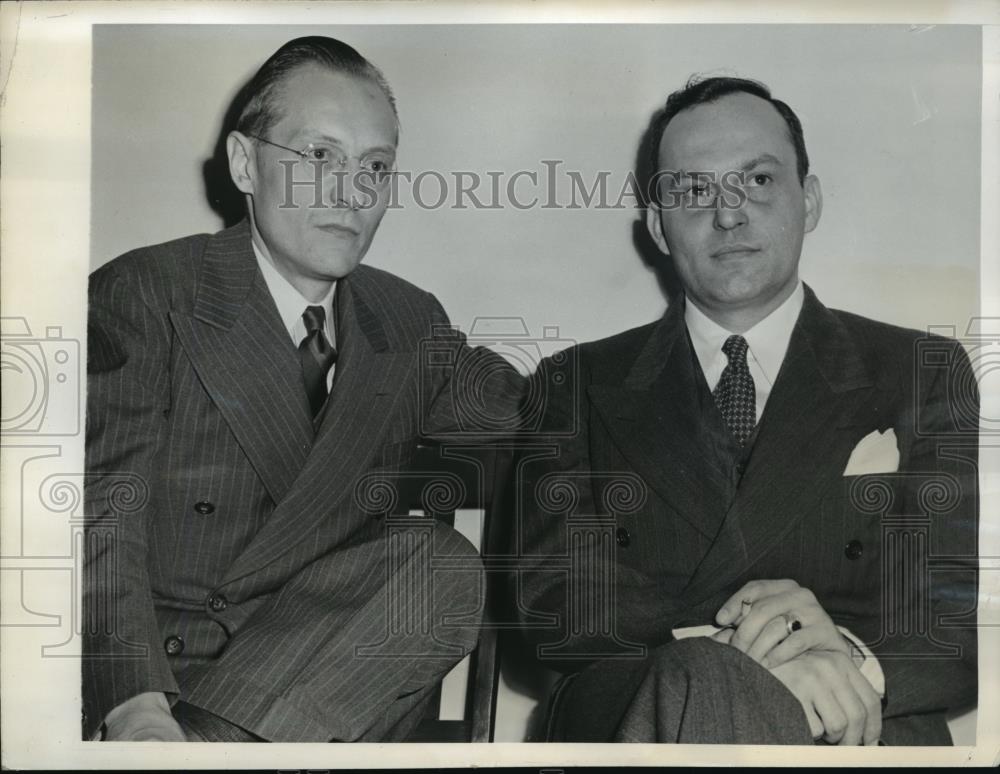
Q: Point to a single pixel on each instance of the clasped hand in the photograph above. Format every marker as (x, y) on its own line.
(782, 626)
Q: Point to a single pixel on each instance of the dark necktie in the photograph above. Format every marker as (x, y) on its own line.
(316, 355)
(734, 394)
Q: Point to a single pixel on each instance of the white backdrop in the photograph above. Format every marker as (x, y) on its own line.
(891, 116)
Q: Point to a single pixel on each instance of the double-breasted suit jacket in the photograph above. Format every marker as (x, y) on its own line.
(889, 554)
(233, 560)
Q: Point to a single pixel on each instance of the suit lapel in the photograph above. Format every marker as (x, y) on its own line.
(241, 351)
(368, 384)
(822, 389)
(653, 416)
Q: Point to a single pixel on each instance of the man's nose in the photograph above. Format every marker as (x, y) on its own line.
(729, 215)
(348, 190)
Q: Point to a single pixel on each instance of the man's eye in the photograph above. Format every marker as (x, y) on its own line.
(319, 154)
(760, 179)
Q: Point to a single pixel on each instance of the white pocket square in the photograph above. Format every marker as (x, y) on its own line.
(875, 453)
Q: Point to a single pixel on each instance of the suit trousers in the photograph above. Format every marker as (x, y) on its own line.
(201, 726)
(367, 633)
(692, 691)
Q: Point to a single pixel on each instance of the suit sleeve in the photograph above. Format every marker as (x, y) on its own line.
(127, 403)
(933, 666)
(468, 394)
(562, 535)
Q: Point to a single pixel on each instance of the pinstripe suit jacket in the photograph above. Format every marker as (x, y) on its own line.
(689, 526)
(209, 490)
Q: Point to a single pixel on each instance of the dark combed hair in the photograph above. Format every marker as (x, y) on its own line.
(699, 91)
(259, 98)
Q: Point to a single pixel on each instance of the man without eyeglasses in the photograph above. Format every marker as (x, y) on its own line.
(778, 458)
(242, 387)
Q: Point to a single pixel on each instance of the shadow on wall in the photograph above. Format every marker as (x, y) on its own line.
(223, 197)
(645, 168)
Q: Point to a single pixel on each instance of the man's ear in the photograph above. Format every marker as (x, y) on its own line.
(813, 194)
(242, 161)
(654, 223)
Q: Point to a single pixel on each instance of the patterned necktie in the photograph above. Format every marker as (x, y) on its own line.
(316, 355)
(735, 394)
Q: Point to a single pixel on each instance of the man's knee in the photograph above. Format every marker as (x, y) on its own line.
(697, 655)
(459, 579)
(698, 662)
(449, 542)
(435, 580)
(429, 539)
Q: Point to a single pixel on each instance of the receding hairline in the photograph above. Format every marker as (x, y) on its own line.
(261, 111)
(716, 101)
(277, 91)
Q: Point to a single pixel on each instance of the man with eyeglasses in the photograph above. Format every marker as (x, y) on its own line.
(772, 532)
(243, 390)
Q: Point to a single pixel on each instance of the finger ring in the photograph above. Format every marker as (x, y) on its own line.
(792, 624)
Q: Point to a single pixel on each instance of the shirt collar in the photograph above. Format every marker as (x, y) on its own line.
(767, 340)
(291, 304)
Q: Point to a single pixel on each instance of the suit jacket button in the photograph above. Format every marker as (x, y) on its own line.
(853, 550)
(218, 603)
(174, 645)
(622, 537)
(204, 507)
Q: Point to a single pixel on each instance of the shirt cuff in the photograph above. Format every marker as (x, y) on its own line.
(158, 698)
(869, 667)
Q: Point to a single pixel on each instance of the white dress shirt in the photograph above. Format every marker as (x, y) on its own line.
(767, 344)
(291, 305)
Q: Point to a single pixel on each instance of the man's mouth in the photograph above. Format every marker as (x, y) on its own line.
(339, 229)
(735, 250)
